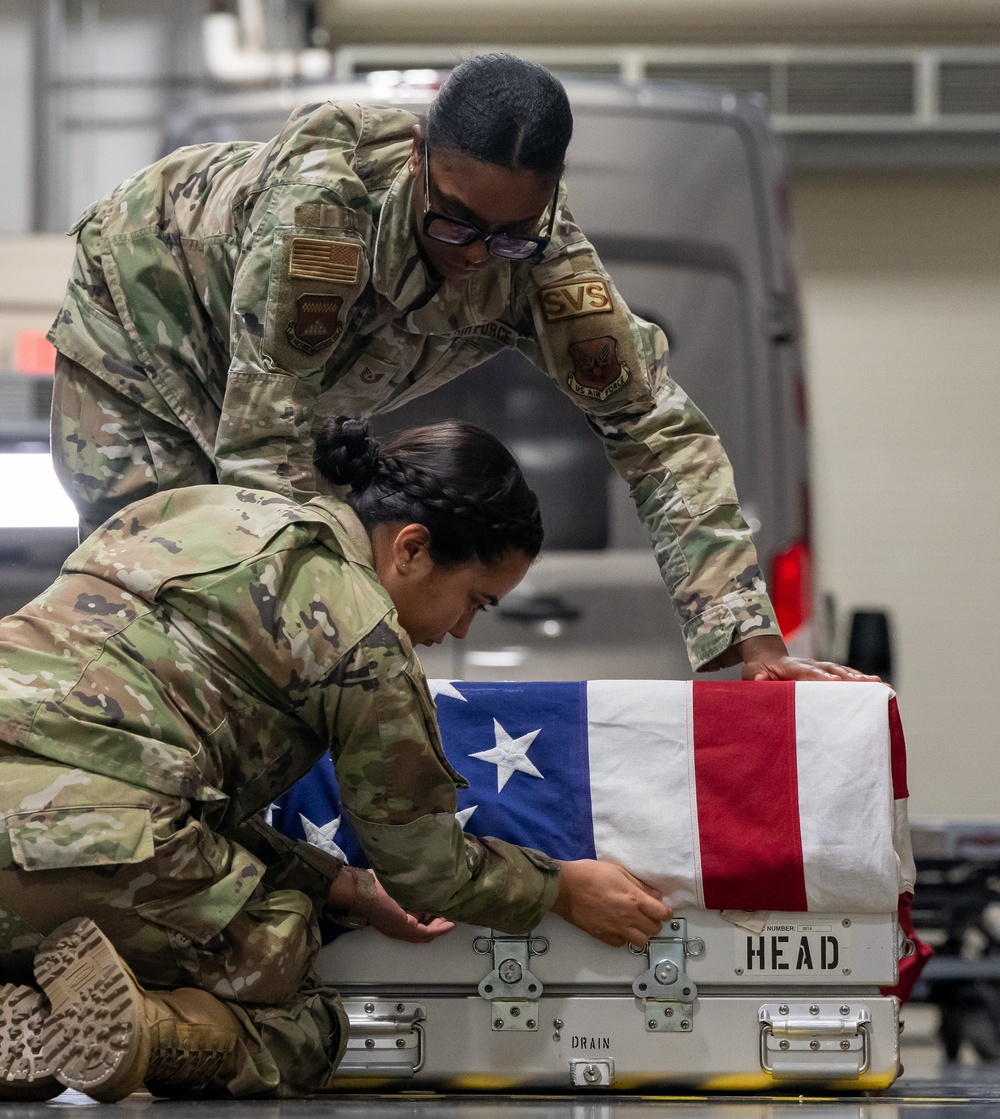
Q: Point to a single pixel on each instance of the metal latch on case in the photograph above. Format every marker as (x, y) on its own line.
(592, 1074)
(667, 992)
(511, 987)
(386, 1039)
(819, 1040)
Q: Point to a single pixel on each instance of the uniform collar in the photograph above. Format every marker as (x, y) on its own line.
(352, 539)
(428, 305)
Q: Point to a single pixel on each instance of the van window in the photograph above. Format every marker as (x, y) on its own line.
(707, 315)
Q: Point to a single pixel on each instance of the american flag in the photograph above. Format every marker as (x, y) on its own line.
(725, 795)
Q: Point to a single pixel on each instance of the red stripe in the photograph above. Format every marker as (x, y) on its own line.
(911, 966)
(897, 752)
(747, 790)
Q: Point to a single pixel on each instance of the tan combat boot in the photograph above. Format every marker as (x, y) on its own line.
(24, 1072)
(105, 1036)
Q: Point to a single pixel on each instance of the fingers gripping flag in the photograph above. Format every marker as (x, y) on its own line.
(764, 796)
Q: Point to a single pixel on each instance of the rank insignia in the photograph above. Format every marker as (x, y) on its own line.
(316, 322)
(369, 376)
(581, 297)
(597, 369)
(313, 258)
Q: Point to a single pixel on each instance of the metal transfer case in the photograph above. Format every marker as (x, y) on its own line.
(771, 815)
(792, 999)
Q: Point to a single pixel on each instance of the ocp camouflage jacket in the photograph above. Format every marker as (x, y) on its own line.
(237, 289)
(210, 645)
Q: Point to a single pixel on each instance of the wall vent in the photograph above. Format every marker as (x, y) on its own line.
(739, 79)
(969, 87)
(849, 89)
(809, 90)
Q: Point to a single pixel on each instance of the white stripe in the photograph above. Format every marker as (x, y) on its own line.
(692, 795)
(845, 796)
(904, 847)
(641, 780)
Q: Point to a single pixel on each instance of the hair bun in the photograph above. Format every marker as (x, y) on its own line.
(346, 452)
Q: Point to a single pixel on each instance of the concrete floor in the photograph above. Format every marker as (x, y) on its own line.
(928, 1089)
(966, 1093)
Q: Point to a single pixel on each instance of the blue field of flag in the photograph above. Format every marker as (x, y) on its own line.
(522, 748)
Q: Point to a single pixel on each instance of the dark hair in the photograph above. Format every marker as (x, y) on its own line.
(503, 110)
(456, 479)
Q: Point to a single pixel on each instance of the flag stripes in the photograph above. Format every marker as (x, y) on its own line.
(733, 796)
(747, 791)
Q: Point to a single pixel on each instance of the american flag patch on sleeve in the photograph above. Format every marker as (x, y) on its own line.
(313, 258)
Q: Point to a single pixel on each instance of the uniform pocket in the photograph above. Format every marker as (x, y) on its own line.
(441, 360)
(212, 880)
(98, 835)
(316, 277)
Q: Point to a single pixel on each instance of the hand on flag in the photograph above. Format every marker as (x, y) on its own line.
(789, 798)
(609, 902)
(766, 658)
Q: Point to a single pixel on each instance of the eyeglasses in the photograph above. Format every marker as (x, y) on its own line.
(507, 246)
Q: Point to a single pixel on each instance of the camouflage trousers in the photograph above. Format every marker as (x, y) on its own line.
(108, 450)
(183, 905)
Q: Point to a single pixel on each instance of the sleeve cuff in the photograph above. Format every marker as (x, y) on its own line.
(291, 864)
(430, 865)
(712, 637)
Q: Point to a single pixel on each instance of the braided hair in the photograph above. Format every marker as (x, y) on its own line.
(503, 110)
(456, 479)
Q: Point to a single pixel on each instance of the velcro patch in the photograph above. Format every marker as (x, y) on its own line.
(598, 371)
(323, 215)
(316, 323)
(580, 297)
(337, 262)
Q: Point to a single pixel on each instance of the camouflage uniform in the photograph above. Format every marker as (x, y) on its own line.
(194, 659)
(224, 297)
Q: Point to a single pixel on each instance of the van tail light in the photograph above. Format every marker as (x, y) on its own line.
(791, 594)
(34, 354)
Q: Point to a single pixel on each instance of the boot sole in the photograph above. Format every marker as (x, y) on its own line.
(24, 1072)
(94, 1037)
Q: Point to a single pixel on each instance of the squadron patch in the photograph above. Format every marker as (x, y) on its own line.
(581, 297)
(597, 369)
(336, 262)
(316, 322)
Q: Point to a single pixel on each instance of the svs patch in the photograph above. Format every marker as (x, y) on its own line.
(567, 301)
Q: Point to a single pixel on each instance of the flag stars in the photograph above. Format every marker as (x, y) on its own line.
(464, 815)
(510, 755)
(321, 836)
(444, 688)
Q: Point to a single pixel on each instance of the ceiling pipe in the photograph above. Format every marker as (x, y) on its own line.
(235, 49)
(663, 22)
